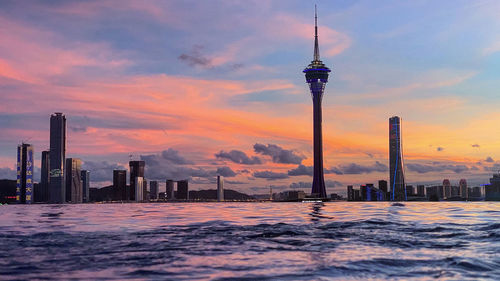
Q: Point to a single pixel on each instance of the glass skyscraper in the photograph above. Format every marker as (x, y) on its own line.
(396, 165)
(57, 190)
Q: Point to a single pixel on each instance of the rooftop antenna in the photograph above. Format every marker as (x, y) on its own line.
(316, 44)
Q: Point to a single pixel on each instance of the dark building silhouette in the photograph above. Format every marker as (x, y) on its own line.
(420, 191)
(169, 190)
(492, 190)
(145, 192)
(136, 170)
(153, 190)
(382, 186)
(120, 184)
(350, 193)
(410, 191)
(317, 76)
(74, 189)
(43, 194)
(182, 190)
(85, 185)
(57, 189)
(24, 183)
(396, 165)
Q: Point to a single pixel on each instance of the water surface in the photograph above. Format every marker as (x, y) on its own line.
(251, 241)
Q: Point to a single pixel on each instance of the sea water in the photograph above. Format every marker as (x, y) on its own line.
(251, 241)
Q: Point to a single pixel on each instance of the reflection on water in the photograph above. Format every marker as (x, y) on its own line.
(275, 241)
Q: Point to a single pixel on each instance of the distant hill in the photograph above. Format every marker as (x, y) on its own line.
(211, 194)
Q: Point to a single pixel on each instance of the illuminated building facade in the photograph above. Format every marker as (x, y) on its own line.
(220, 188)
(24, 183)
(396, 165)
(136, 170)
(74, 189)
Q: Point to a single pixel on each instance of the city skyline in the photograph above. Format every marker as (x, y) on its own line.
(204, 114)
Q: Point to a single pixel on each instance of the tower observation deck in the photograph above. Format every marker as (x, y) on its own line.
(317, 76)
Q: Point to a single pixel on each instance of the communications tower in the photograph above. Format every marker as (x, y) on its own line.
(317, 77)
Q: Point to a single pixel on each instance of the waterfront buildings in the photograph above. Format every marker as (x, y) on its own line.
(120, 184)
(57, 190)
(43, 186)
(153, 190)
(136, 170)
(396, 165)
(182, 190)
(492, 191)
(138, 188)
(85, 186)
(220, 188)
(317, 76)
(24, 183)
(463, 188)
(169, 190)
(74, 189)
(446, 188)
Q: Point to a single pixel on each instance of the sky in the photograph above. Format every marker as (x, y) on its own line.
(200, 88)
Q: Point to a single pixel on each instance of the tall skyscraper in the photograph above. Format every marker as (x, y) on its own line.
(44, 178)
(24, 184)
(85, 186)
(169, 190)
(74, 189)
(57, 189)
(396, 165)
(120, 184)
(220, 188)
(136, 170)
(317, 76)
(182, 190)
(153, 189)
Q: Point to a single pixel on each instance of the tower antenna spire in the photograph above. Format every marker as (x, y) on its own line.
(316, 44)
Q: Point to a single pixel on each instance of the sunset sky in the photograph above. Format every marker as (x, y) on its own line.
(197, 88)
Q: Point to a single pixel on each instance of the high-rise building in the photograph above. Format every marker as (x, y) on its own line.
(74, 189)
(153, 190)
(44, 178)
(410, 191)
(317, 76)
(169, 190)
(220, 188)
(120, 184)
(463, 189)
(24, 184)
(57, 188)
(85, 186)
(136, 170)
(350, 193)
(138, 181)
(446, 188)
(382, 186)
(182, 190)
(420, 190)
(396, 165)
